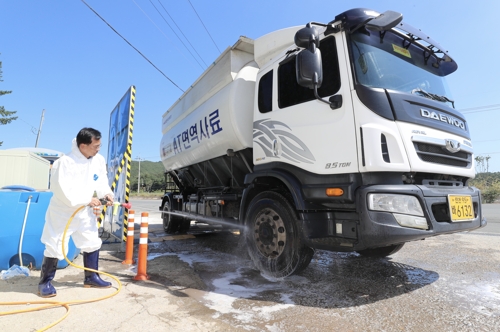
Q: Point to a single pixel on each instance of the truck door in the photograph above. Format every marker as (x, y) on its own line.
(292, 126)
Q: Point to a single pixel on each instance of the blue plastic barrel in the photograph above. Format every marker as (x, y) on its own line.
(13, 204)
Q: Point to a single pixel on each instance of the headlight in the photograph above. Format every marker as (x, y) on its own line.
(395, 203)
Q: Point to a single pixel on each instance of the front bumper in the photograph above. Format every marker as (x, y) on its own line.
(363, 229)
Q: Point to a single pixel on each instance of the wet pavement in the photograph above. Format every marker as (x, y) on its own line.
(204, 281)
(447, 283)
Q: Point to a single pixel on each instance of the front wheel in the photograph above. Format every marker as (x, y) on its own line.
(273, 236)
(381, 251)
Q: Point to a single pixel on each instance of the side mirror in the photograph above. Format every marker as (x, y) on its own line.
(306, 37)
(309, 69)
(335, 101)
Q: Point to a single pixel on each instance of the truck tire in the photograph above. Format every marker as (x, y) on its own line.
(273, 236)
(171, 223)
(184, 226)
(381, 252)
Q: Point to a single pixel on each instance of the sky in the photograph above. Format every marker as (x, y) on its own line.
(59, 56)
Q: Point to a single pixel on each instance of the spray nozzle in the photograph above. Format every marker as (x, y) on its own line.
(125, 205)
(103, 201)
(115, 205)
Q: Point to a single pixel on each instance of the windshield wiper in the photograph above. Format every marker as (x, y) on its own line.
(433, 96)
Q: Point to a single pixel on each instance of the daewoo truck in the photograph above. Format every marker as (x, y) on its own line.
(340, 136)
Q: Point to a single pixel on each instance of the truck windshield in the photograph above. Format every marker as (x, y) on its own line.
(390, 63)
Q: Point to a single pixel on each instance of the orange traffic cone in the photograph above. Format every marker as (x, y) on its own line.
(143, 249)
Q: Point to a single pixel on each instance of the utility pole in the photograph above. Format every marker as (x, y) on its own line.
(139, 175)
(39, 129)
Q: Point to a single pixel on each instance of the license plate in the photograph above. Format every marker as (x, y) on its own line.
(461, 208)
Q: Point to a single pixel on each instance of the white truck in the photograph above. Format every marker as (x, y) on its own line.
(339, 136)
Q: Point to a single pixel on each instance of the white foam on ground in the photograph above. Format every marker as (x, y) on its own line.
(227, 291)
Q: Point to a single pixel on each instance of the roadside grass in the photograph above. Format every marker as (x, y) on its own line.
(147, 195)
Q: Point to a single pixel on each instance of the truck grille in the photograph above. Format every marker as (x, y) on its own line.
(439, 155)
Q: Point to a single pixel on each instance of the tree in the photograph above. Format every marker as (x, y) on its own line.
(489, 184)
(5, 116)
(483, 164)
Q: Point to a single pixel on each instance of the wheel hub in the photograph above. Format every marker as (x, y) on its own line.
(269, 233)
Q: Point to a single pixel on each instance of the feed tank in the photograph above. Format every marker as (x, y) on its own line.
(215, 114)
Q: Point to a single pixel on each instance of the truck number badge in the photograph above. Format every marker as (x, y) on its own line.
(338, 165)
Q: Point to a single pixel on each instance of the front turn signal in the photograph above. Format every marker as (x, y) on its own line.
(334, 192)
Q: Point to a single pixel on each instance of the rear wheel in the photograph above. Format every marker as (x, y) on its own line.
(171, 223)
(381, 251)
(273, 239)
(184, 225)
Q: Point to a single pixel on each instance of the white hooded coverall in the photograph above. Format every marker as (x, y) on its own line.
(74, 178)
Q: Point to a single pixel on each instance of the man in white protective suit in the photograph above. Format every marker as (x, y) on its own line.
(74, 179)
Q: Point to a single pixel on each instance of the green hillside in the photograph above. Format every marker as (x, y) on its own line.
(152, 176)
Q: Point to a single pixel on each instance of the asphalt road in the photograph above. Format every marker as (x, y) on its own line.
(492, 214)
(151, 206)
